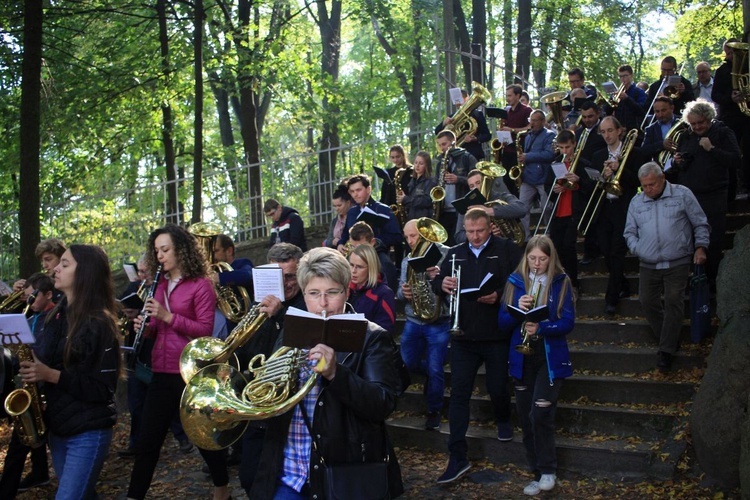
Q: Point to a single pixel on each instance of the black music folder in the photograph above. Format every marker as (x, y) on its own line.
(430, 259)
(132, 301)
(501, 113)
(342, 332)
(374, 219)
(383, 174)
(489, 284)
(535, 315)
(473, 197)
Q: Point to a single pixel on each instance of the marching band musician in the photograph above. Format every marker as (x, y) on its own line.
(388, 191)
(453, 174)
(590, 118)
(367, 292)
(573, 190)
(424, 345)
(513, 208)
(577, 80)
(537, 156)
(417, 202)
(360, 190)
(704, 162)
(655, 140)
(472, 143)
(181, 309)
(361, 234)
(630, 110)
(79, 363)
(704, 84)
(727, 99)
(684, 89)
(518, 120)
(48, 252)
(482, 253)
(341, 202)
(613, 209)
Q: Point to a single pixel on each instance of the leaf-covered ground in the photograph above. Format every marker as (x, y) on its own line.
(179, 476)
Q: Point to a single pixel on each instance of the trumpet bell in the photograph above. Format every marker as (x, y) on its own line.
(202, 352)
(613, 187)
(525, 349)
(490, 169)
(208, 407)
(431, 230)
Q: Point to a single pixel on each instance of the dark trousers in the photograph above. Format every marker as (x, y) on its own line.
(665, 320)
(611, 226)
(714, 205)
(466, 358)
(536, 405)
(15, 458)
(136, 398)
(740, 125)
(448, 221)
(162, 400)
(562, 231)
(252, 446)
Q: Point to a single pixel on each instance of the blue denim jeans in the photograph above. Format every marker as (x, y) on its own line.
(424, 348)
(78, 460)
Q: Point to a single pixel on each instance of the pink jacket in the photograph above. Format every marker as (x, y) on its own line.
(192, 303)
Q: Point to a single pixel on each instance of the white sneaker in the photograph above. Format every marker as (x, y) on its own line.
(532, 488)
(547, 482)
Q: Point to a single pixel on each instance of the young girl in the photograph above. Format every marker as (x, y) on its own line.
(79, 364)
(367, 292)
(418, 202)
(539, 279)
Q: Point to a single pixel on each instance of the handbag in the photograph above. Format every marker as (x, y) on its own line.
(357, 480)
(404, 377)
(700, 310)
(143, 372)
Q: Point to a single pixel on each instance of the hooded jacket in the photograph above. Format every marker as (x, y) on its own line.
(289, 229)
(378, 304)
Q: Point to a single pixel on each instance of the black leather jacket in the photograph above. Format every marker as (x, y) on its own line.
(349, 419)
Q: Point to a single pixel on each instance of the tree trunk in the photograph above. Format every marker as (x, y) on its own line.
(540, 62)
(462, 43)
(508, 41)
(561, 47)
(221, 97)
(479, 41)
(173, 215)
(28, 218)
(249, 128)
(449, 43)
(329, 25)
(523, 54)
(198, 126)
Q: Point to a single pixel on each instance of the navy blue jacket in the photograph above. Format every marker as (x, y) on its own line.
(390, 234)
(552, 331)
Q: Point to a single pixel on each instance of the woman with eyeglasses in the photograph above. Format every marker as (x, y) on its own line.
(538, 377)
(345, 411)
(368, 294)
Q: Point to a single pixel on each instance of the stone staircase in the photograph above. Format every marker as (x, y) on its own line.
(617, 416)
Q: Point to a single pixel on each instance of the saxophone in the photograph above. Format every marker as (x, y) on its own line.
(517, 170)
(511, 228)
(437, 194)
(398, 208)
(24, 405)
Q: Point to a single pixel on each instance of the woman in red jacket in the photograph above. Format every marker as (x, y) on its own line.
(181, 309)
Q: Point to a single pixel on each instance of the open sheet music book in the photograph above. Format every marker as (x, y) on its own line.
(534, 315)
(340, 332)
(489, 284)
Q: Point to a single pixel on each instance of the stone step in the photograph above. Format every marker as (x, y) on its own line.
(728, 244)
(596, 284)
(616, 359)
(737, 221)
(604, 388)
(617, 459)
(570, 418)
(592, 306)
(617, 331)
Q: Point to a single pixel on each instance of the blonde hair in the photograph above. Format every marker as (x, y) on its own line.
(368, 254)
(554, 268)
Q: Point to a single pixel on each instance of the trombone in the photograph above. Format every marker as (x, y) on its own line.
(611, 186)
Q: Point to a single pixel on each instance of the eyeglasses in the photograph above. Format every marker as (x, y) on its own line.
(290, 277)
(329, 294)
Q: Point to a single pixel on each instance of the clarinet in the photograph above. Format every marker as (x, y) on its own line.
(138, 339)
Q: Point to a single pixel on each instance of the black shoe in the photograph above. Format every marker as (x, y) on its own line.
(186, 446)
(126, 453)
(610, 310)
(433, 421)
(663, 361)
(624, 294)
(32, 482)
(504, 431)
(456, 468)
(586, 260)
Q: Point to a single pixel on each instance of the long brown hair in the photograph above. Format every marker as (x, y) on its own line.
(94, 295)
(554, 268)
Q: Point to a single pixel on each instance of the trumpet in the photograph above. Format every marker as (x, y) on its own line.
(12, 302)
(455, 300)
(525, 347)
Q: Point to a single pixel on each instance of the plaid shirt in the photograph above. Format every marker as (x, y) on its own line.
(297, 448)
